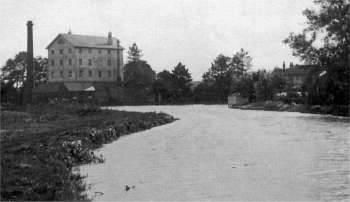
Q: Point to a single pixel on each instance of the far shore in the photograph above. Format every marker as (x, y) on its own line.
(341, 110)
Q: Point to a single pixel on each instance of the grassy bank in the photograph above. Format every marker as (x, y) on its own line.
(40, 146)
(280, 106)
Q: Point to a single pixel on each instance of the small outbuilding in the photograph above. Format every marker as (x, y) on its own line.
(236, 99)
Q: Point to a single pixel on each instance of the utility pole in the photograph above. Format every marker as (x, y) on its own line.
(29, 84)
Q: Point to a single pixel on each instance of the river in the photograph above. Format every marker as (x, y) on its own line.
(216, 153)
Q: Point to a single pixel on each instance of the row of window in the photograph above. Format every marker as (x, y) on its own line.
(70, 62)
(80, 50)
(81, 73)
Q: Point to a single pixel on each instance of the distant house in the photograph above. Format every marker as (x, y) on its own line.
(296, 75)
(236, 99)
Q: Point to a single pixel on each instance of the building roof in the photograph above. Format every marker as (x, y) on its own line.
(298, 70)
(77, 86)
(48, 88)
(89, 41)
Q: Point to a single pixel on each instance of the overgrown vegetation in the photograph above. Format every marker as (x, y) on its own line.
(325, 42)
(41, 145)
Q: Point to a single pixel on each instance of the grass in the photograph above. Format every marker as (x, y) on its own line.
(41, 145)
(337, 110)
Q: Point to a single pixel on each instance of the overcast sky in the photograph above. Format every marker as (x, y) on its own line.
(193, 32)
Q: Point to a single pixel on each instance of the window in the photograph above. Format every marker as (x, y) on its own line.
(90, 62)
(52, 74)
(90, 73)
(70, 61)
(80, 61)
(109, 73)
(52, 62)
(89, 50)
(99, 51)
(109, 62)
(81, 73)
(60, 41)
(109, 51)
(80, 50)
(70, 73)
(61, 74)
(61, 62)
(99, 73)
(70, 50)
(52, 52)
(61, 51)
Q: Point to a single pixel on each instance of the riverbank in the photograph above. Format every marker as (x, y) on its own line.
(280, 106)
(41, 145)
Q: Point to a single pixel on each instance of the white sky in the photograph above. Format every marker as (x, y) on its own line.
(168, 31)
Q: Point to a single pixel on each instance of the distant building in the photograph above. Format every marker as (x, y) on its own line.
(83, 68)
(82, 58)
(296, 74)
(236, 99)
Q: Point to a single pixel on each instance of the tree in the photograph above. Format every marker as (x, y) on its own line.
(241, 62)
(13, 72)
(278, 82)
(242, 82)
(13, 76)
(263, 87)
(182, 79)
(244, 85)
(134, 53)
(205, 93)
(138, 74)
(164, 87)
(173, 87)
(326, 42)
(220, 76)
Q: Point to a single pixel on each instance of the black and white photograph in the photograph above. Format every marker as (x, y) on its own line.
(175, 100)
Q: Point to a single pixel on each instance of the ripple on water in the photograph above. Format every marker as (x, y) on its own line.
(215, 153)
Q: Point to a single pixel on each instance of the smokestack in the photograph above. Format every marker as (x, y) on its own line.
(29, 84)
(109, 40)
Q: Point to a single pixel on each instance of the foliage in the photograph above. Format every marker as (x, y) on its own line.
(278, 82)
(263, 87)
(134, 53)
(244, 85)
(37, 163)
(228, 75)
(173, 86)
(220, 77)
(326, 42)
(181, 81)
(164, 87)
(241, 62)
(138, 74)
(13, 76)
(205, 93)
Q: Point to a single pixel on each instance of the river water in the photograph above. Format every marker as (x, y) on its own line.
(216, 153)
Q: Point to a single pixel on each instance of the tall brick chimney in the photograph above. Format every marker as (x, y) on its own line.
(29, 84)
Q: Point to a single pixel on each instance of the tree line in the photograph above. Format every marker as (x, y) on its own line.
(327, 82)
